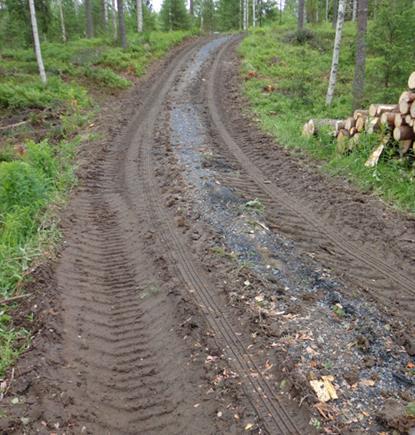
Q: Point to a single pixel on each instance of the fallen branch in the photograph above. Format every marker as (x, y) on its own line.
(17, 124)
(13, 298)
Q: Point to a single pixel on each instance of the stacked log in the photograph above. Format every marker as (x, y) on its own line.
(395, 121)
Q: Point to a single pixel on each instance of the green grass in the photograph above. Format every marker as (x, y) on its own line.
(299, 74)
(35, 178)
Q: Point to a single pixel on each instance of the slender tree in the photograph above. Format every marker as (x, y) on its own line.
(62, 20)
(122, 36)
(191, 12)
(327, 10)
(36, 42)
(354, 10)
(335, 9)
(360, 62)
(245, 14)
(139, 4)
(104, 15)
(336, 52)
(300, 21)
(89, 19)
(114, 19)
(253, 14)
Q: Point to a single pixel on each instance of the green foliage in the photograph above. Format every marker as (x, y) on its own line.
(20, 185)
(392, 47)
(174, 15)
(229, 15)
(15, 94)
(299, 75)
(107, 77)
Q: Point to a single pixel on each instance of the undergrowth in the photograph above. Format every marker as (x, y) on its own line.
(296, 69)
(35, 177)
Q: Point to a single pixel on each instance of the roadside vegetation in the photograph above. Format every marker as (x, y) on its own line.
(286, 74)
(41, 128)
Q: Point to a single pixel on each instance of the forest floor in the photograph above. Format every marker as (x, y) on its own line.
(211, 282)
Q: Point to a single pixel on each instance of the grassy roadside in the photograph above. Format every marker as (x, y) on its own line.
(297, 75)
(40, 130)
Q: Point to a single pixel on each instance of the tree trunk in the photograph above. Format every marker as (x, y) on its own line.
(122, 37)
(89, 19)
(354, 10)
(191, 12)
(360, 62)
(114, 20)
(253, 14)
(245, 14)
(104, 14)
(105, 4)
(335, 9)
(62, 19)
(139, 15)
(336, 53)
(300, 22)
(327, 10)
(36, 42)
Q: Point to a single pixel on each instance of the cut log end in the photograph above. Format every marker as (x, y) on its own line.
(411, 81)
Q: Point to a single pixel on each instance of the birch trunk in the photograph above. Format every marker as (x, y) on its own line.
(139, 16)
(253, 14)
(336, 53)
(300, 23)
(335, 8)
(62, 19)
(121, 24)
(36, 42)
(114, 20)
(354, 11)
(360, 63)
(191, 8)
(327, 10)
(245, 14)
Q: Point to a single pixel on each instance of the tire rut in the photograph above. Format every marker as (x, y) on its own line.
(123, 362)
(277, 417)
(294, 218)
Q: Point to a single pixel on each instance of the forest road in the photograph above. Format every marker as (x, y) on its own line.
(148, 341)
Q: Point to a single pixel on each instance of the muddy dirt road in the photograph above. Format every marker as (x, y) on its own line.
(182, 244)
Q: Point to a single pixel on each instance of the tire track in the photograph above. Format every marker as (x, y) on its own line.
(124, 365)
(261, 393)
(296, 219)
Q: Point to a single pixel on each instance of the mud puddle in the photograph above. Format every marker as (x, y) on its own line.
(321, 337)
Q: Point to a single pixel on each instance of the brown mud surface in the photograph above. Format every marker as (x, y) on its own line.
(159, 317)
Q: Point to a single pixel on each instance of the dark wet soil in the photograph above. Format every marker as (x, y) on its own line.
(198, 290)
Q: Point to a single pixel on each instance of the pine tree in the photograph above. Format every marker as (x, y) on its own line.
(174, 15)
(392, 43)
(300, 17)
(122, 35)
(360, 63)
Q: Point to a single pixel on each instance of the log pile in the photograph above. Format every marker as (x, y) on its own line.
(396, 122)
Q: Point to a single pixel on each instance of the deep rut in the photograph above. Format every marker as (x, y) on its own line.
(365, 267)
(124, 366)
